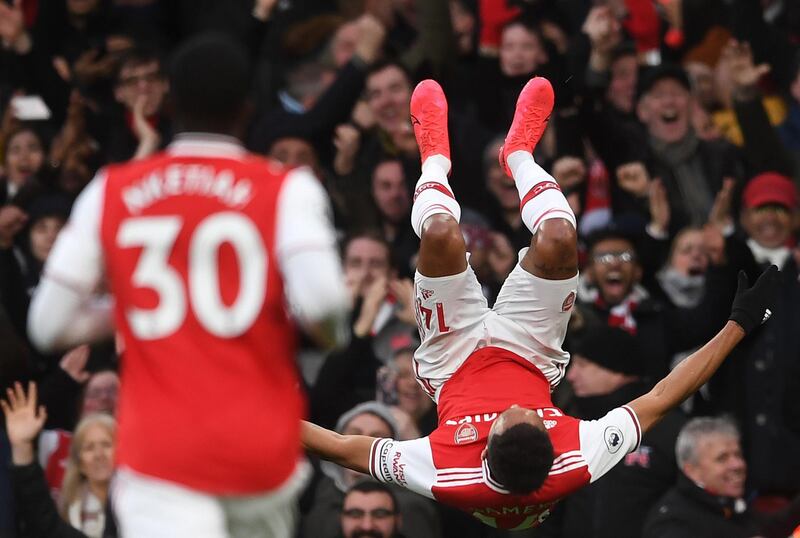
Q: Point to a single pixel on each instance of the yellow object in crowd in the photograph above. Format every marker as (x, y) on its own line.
(726, 122)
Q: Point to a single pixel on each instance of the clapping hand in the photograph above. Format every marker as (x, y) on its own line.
(74, 363)
(12, 220)
(720, 215)
(659, 207)
(633, 178)
(603, 29)
(262, 9)
(403, 291)
(502, 256)
(148, 136)
(91, 66)
(373, 295)
(371, 34)
(569, 172)
(346, 140)
(743, 73)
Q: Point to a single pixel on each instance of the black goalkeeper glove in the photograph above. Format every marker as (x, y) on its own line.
(751, 307)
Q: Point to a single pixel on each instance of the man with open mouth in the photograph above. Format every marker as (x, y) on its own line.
(691, 169)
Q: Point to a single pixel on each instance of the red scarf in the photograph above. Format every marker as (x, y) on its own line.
(621, 315)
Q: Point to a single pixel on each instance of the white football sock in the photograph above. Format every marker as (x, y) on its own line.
(540, 196)
(433, 194)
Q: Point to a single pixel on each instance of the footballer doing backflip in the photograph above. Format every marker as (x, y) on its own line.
(502, 451)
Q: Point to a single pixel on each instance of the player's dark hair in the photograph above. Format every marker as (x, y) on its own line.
(520, 458)
(210, 81)
(370, 486)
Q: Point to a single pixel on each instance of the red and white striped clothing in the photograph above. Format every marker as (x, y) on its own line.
(447, 465)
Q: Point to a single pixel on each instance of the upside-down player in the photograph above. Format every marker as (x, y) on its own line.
(502, 451)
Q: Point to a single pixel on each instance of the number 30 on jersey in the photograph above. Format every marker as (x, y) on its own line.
(156, 237)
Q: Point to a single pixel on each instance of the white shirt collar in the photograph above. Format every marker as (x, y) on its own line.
(206, 145)
(775, 256)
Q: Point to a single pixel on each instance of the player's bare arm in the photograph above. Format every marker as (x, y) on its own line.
(687, 377)
(351, 451)
(750, 309)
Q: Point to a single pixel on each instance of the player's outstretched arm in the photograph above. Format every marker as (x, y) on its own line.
(751, 308)
(351, 451)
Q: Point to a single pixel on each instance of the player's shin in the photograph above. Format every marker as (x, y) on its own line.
(433, 195)
(540, 196)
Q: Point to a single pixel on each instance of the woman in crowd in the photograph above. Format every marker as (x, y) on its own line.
(91, 464)
(84, 497)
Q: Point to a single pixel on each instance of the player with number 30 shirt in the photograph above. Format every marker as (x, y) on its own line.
(192, 263)
(202, 247)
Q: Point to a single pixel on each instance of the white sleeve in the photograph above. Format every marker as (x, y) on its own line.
(63, 311)
(605, 442)
(305, 246)
(77, 256)
(406, 463)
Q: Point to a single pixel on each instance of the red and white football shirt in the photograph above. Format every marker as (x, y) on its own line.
(197, 243)
(447, 465)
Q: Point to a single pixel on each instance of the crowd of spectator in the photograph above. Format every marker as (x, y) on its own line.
(675, 138)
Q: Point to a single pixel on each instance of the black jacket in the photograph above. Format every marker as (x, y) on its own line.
(616, 505)
(347, 378)
(36, 510)
(760, 386)
(688, 510)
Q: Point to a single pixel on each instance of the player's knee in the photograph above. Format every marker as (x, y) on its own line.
(441, 233)
(557, 236)
(554, 250)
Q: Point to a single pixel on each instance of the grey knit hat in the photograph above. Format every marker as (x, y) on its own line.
(378, 409)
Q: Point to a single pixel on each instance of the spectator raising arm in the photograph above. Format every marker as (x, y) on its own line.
(751, 307)
(24, 421)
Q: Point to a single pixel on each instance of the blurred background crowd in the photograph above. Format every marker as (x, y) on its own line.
(675, 137)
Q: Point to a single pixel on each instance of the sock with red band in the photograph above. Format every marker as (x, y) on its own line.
(539, 194)
(433, 194)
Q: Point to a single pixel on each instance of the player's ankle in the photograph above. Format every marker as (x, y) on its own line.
(440, 162)
(516, 159)
(435, 168)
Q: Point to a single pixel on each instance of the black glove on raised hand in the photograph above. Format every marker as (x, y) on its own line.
(752, 307)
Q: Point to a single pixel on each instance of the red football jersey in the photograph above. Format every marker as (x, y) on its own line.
(210, 396)
(448, 467)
